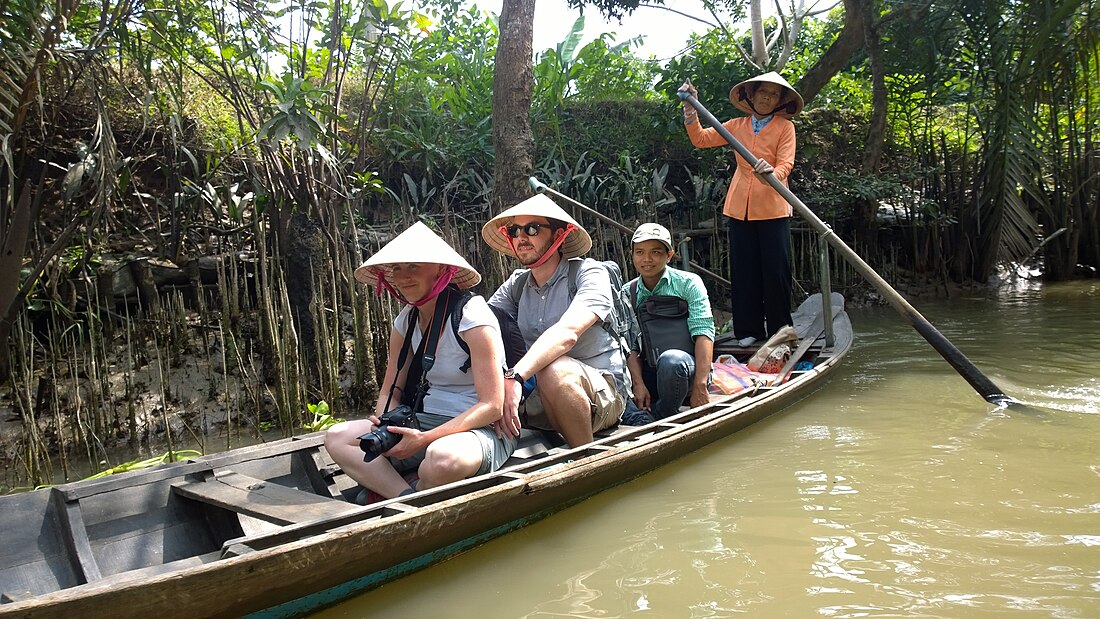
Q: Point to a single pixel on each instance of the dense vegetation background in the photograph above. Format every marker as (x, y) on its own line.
(185, 187)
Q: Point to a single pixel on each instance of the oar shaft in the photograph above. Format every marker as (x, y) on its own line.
(947, 350)
(541, 187)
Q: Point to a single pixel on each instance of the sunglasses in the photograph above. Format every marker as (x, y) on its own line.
(531, 229)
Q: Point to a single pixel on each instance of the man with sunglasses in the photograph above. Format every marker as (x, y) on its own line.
(577, 365)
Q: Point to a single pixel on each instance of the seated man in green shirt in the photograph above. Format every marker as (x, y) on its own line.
(680, 374)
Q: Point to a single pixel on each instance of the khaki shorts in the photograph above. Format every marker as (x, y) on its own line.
(599, 385)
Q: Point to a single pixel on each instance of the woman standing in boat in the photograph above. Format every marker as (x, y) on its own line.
(456, 438)
(759, 218)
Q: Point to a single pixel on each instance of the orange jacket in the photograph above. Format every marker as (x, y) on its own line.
(748, 196)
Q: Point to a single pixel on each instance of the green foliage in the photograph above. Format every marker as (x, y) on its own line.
(297, 105)
(439, 136)
(217, 126)
(148, 463)
(322, 419)
(609, 71)
(600, 70)
(439, 128)
(713, 66)
(648, 130)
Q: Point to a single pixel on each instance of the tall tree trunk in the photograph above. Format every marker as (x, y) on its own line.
(759, 47)
(876, 133)
(847, 43)
(867, 208)
(305, 258)
(15, 234)
(513, 142)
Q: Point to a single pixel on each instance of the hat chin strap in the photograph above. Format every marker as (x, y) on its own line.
(569, 228)
(758, 113)
(441, 282)
(744, 97)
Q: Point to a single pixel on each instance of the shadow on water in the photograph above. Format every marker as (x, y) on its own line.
(895, 490)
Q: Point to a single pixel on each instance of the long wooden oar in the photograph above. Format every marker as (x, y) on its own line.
(541, 187)
(947, 350)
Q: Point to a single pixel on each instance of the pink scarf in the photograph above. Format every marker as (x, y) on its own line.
(444, 278)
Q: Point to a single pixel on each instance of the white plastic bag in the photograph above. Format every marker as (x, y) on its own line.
(771, 356)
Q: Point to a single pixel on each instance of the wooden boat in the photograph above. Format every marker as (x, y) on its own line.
(268, 530)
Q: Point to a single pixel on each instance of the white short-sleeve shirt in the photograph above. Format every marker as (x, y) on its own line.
(452, 391)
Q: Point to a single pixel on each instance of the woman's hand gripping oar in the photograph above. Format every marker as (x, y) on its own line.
(947, 350)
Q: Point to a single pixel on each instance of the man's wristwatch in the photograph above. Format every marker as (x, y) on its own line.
(514, 375)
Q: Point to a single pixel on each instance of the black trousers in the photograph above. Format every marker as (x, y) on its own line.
(760, 273)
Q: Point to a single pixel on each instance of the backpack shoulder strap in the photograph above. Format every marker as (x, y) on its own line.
(518, 286)
(456, 321)
(403, 356)
(406, 345)
(574, 271)
(456, 310)
(634, 295)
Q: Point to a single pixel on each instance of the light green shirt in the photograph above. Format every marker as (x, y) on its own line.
(687, 286)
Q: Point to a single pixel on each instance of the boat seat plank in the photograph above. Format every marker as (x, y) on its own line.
(262, 499)
(236, 550)
(79, 490)
(76, 537)
(11, 597)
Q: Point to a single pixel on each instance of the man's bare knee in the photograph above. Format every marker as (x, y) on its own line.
(561, 373)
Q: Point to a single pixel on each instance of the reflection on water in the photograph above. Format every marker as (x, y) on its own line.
(893, 491)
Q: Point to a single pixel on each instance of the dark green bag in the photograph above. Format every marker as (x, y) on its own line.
(662, 320)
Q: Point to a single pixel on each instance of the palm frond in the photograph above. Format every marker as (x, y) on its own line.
(1021, 72)
(22, 25)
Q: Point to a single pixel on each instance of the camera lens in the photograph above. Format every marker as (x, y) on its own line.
(377, 442)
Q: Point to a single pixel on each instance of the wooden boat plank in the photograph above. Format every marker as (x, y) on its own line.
(71, 522)
(262, 499)
(236, 550)
(79, 490)
(321, 472)
(33, 556)
(510, 482)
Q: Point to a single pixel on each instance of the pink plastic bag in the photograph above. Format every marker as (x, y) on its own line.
(728, 377)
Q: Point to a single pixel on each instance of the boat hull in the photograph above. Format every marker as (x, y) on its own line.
(295, 568)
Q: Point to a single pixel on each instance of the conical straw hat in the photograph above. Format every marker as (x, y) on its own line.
(790, 102)
(576, 244)
(417, 244)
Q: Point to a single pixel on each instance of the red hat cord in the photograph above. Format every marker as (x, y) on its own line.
(569, 228)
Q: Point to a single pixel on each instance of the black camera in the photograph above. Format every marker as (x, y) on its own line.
(381, 440)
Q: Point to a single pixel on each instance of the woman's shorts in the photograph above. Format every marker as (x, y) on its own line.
(494, 451)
